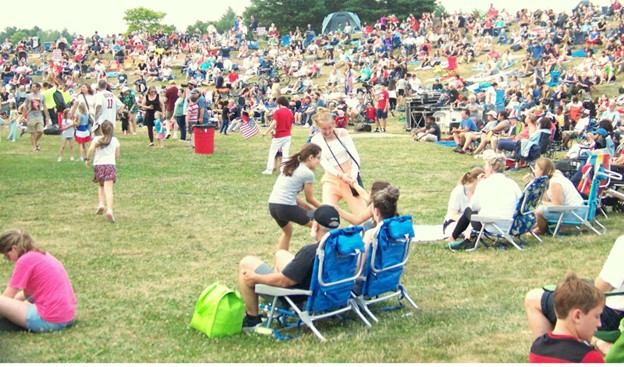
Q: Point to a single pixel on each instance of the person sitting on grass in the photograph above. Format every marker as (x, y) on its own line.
(539, 303)
(429, 133)
(40, 296)
(290, 271)
(460, 198)
(578, 305)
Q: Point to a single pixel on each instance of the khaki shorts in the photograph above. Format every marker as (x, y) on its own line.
(34, 125)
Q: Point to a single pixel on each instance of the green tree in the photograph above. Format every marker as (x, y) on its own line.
(17, 36)
(146, 20)
(226, 21)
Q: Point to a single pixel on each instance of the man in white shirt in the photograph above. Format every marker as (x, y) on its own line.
(107, 105)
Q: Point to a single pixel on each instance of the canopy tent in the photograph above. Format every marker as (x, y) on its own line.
(331, 21)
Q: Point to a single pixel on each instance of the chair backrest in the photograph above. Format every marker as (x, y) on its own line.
(387, 256)
(335, 269)
(452, 63)
(524, 216)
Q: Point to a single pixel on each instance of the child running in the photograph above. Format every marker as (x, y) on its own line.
(81, 122)
(159, 129)
(106, 148)
(284, 204)
(67, 135)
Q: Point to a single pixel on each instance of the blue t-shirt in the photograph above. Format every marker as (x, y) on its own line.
(201, 105)
(468, 123)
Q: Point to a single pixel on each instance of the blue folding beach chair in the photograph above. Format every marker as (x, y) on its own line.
(387, 256)
(523, 219)
(333, 277)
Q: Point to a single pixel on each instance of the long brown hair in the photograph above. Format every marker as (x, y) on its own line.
(22, 240)
(106, 129)
(308, 150)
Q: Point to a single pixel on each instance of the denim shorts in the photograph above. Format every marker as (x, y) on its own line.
(554, 217)
(36, 324)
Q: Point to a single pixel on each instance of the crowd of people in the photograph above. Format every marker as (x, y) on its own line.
(505, 110)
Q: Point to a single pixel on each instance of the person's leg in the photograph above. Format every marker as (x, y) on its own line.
(38, 136)
(13, 310)
(284, 240)
(33, 140)
(150, 133)
(285, 146)
(63, 142)
(272, 151)
(108, 194)
(541, 225)
(533, 304)
(282, 258)
(71, 149)
(248, 264)
(102, 199)
(182, 126)
(331, 194)
(462, 224)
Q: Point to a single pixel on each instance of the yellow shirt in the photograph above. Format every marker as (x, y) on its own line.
(49, 100)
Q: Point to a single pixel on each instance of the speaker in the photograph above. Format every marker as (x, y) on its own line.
(416, 116)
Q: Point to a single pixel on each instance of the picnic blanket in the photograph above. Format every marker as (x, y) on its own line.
(428, 233)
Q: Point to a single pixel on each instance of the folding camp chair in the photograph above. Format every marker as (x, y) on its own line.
(522, 221)
(555, 78)
(384, 265)
(593, 173)
(333, 277)
(451, 63)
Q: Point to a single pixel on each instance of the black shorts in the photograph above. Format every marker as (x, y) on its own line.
(283, 214)
(609, 319)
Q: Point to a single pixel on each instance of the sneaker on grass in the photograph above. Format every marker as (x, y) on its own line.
(251, 322)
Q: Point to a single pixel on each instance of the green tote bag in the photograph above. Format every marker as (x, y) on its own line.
(219, 311)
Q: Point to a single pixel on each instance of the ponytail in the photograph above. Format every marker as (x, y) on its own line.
(309, 149)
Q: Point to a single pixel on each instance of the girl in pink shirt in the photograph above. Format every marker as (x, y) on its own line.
(39, 297)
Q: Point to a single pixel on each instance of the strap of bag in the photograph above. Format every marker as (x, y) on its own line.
(86, 102)
(333, 155)
(349, 153)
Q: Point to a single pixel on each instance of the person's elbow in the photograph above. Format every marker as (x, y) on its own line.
(284, 282)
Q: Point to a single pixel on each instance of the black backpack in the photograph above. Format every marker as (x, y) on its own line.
(59, 100)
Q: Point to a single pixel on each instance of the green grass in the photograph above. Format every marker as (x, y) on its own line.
(185, 220)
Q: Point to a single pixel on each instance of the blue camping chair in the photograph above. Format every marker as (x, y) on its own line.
(500, 100)
(597, 176)
(285, 40)
(384, 265)
(522, 221)
(555, 78)
(333, 277)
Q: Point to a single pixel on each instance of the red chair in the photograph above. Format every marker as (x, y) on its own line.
(452, 63)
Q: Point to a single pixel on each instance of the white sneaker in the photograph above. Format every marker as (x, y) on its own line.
(81, 159)
(71, 158)
(59, 159)
(267, 172)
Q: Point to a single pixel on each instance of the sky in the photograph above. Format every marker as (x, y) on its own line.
(82, 17)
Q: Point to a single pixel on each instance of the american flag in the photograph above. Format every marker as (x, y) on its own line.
(249, 129)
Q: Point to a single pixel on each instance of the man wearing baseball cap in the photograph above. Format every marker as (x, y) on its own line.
(291, 271)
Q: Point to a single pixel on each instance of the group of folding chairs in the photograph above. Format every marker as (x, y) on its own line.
(345, 278)
(598, 181)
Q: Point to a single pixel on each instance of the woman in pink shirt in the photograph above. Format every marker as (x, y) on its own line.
(39, 297)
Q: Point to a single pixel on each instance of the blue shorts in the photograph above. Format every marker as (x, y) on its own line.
(554, 217)
(36, 324)
(381, 114)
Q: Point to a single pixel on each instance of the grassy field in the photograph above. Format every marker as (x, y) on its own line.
(185, 220)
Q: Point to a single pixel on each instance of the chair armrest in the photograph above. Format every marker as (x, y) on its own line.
(270, 290)
(486, 219)
(564, 208)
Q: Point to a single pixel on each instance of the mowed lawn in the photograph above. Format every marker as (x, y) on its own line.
(185, 220)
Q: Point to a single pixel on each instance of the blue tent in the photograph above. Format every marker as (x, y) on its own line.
(331, 21)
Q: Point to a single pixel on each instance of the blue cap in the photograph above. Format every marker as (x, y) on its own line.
(600, 131)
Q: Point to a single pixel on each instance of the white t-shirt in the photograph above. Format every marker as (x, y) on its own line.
(571, 195)
(496, 196)
(105, 155)
(613, 273)
(457, 202)
(110, 104)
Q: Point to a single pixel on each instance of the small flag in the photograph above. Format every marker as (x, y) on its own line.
(249, 129)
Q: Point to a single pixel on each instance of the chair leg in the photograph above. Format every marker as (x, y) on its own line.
(362, 305)
(536, 236)
(305, 318)
(407, 297)
(478, 239)
(511, 240)
(357, 311)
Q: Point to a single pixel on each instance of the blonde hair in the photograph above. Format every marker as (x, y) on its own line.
(497, 162)
(322, 115)
(22, 240)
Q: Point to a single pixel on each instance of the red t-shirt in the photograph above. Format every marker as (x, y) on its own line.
(284, 121)
(551, 348)
(341, 121)
(172, 96)
(382, 101)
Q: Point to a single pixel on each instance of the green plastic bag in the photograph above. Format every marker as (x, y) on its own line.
(219, 311)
